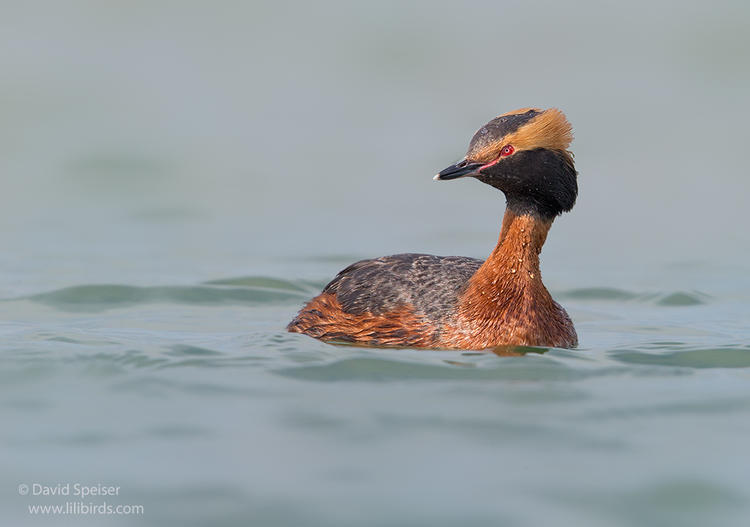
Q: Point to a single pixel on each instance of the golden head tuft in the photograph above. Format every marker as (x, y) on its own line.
(524, 129)
(550, 129)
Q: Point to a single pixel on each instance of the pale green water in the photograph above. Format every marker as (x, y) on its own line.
(178, 180)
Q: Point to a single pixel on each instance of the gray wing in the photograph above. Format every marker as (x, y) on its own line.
(430, 284)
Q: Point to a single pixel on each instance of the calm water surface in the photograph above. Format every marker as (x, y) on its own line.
(174, 193)
(195, 401)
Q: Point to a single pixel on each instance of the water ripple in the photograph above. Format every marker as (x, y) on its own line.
(108, 296)
(720, 357)
(672, 299)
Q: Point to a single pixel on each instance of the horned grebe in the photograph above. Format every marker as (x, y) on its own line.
(455, 302)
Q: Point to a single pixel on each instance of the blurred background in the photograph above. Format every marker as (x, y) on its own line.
(238, 135)
(161, 145)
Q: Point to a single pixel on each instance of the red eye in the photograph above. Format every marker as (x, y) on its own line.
(507, 150)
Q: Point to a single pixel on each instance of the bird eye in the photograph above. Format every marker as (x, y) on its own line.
(507, 150)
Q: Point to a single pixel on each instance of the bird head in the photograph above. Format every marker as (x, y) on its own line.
(524, 154)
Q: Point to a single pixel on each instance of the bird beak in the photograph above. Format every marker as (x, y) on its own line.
(461, 169)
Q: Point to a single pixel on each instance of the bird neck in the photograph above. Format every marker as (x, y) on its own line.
(517, 252)
(505, 301)
(511, 272)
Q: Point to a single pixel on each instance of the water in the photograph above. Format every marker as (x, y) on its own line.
(178, 180)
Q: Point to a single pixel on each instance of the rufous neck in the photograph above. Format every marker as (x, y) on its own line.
(520, 242)
(510, 275)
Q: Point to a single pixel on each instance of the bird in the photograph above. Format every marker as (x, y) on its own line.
(455, 302)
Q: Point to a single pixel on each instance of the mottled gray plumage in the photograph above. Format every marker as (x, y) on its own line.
(430, 284)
